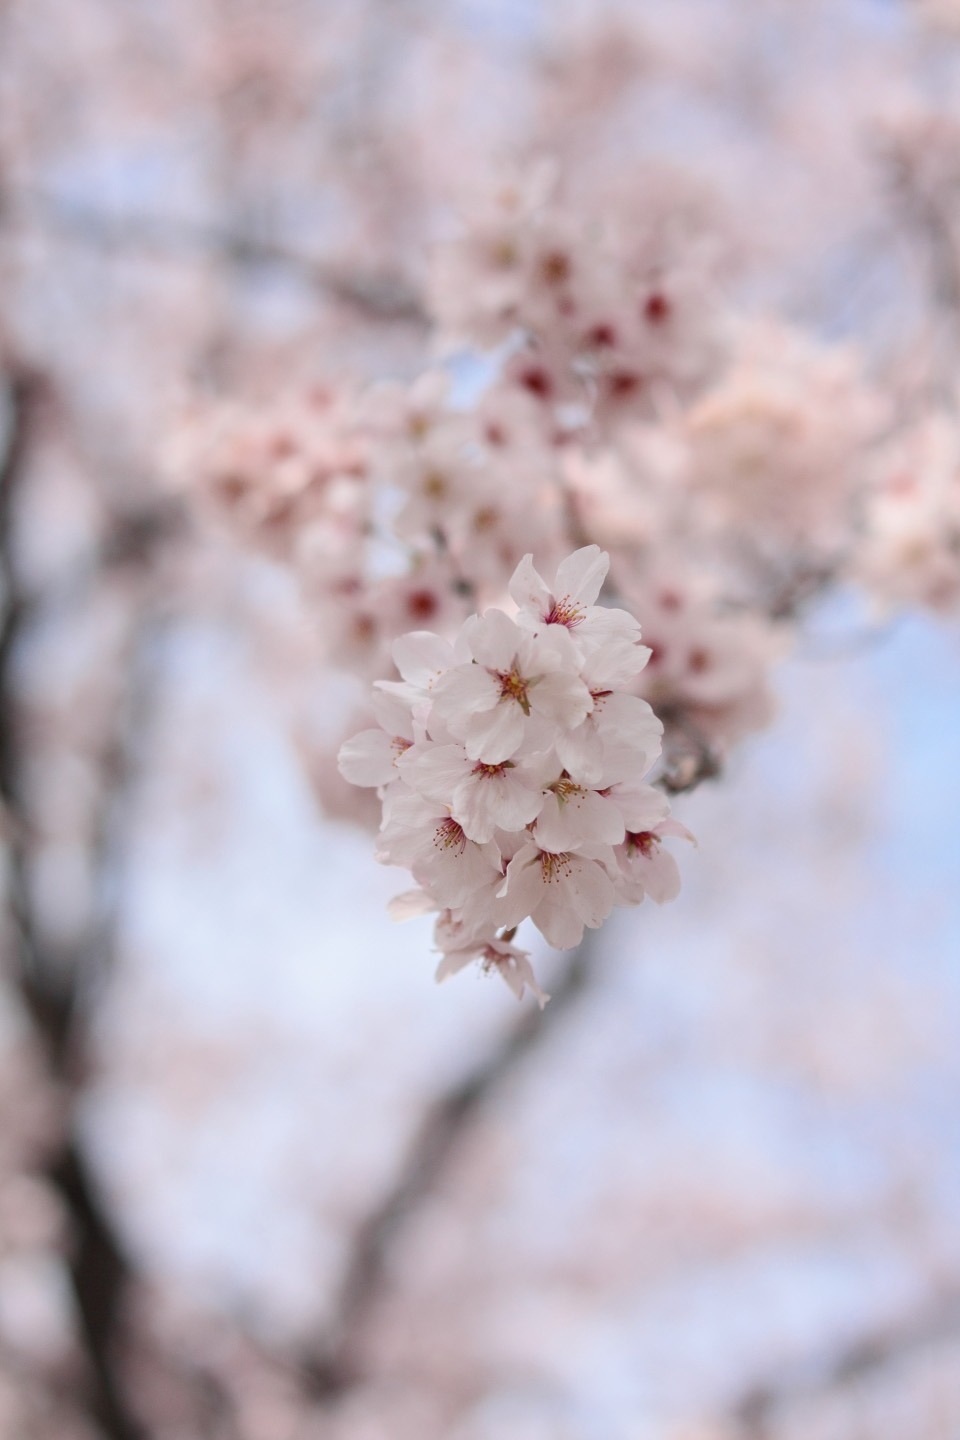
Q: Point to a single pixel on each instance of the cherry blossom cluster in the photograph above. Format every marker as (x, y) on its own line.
(511, 765)
(720, 463)
(603, 313)
(732, 467)
(285, 476)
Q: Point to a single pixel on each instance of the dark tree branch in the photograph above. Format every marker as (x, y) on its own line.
(339, 1367)
(53, 991)
(25, 396)
(101, 1276)
(753, 1417)
(928, 214)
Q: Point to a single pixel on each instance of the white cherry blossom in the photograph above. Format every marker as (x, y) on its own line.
(560, 892)
(574, 815)
(570, 603)
(620, 738)
(370, 758)
(422, 659)
(432, 845)
(514, 676)
(508, 961)
(511, 768)
(483, 797)
(645, 868)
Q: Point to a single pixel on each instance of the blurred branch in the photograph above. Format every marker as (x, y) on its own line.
(754, 1415)
(101, 1275)
(339, 1367)
(55, 991)
(933, 225)
(927, 212)
(25, 395)
(378, 296)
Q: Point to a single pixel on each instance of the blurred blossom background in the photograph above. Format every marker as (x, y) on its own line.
(260, 1179)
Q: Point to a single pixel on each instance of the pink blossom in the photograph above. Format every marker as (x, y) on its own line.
(483, 797)
(511, 770)
(515, 676)
(495, 956)
(645, 868)
(370, 757)
(574, 815)
(570, 603)
(620, 738)
(432, 845)
(560, 892)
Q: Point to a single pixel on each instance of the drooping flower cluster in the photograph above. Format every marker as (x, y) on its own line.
(511, 766)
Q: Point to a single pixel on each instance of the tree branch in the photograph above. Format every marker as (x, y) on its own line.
(378, 296)
(339, 1367)
(753, 1416)
(53, 992)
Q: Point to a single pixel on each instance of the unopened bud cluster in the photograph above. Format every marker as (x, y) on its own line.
(511, 765)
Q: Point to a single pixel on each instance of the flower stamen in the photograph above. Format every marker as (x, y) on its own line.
(513, 686)
(567, 612)
(449, 836)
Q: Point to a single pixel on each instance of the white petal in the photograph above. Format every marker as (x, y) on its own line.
(673, 827)
(641, 806)
(517, 973)
(566, 822)
(367, 759)
(437, 771)
(411, 904)
(484, 803)
(530, 980)
(464, 691)
(561, 697)
(452, 964)
(591, 891)
(393, 713)
(559, 926)
(422, 657)
(495, 736)
(580, 577)
(613, 656)
(528, 590)
(522, 887)
(449, 871)
(630, 733)
(495, 639)
(616, 661)
(659, 874)
(581, 753)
